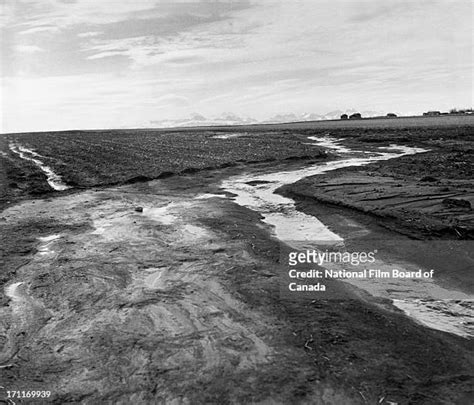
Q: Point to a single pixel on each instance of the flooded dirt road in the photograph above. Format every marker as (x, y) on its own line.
(128, 305)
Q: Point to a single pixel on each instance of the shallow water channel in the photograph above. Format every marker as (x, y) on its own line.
(53, 179)
(424, 300)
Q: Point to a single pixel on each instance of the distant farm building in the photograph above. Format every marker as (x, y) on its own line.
(457, 112)
(355, 116)
(391, 115)
(344, 117)
(432, 113)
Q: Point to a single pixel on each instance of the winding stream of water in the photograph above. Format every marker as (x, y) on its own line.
(257, 192)
(429, 303)
(53, 179)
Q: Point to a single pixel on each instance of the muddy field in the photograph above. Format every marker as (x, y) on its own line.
(123, 289)
(430, 195)
(97, 158)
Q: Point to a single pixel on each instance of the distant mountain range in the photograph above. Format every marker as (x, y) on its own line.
(230, 118)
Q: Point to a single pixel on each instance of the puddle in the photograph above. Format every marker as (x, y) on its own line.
(160, 214)
(330, 143)
(424, 300)
(53, 179)
(12, 291)
(46, 242)
(157, 278)
(193, 232)
(452, 316)
(49, 238)
(208, 195)
(230, 136)
(295, 226)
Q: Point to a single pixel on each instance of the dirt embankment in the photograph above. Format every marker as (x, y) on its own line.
(145, 294)
(424, 195)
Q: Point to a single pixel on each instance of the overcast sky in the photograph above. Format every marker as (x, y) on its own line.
(108, 64)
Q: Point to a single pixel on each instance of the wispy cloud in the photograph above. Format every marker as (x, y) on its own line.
(89, 34)
(140, 61)
(28, 48)
(39, 29)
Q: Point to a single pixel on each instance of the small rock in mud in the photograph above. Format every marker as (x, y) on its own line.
(257, 182)
(429, 178)
(138, 209)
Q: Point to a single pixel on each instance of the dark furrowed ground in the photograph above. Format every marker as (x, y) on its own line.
(95, 158)
(90, 158)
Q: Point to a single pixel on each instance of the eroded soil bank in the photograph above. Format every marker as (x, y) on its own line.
(420, 203)
(160, 292)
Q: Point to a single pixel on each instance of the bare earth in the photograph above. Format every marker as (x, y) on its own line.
(180, 304)
(161, 292)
